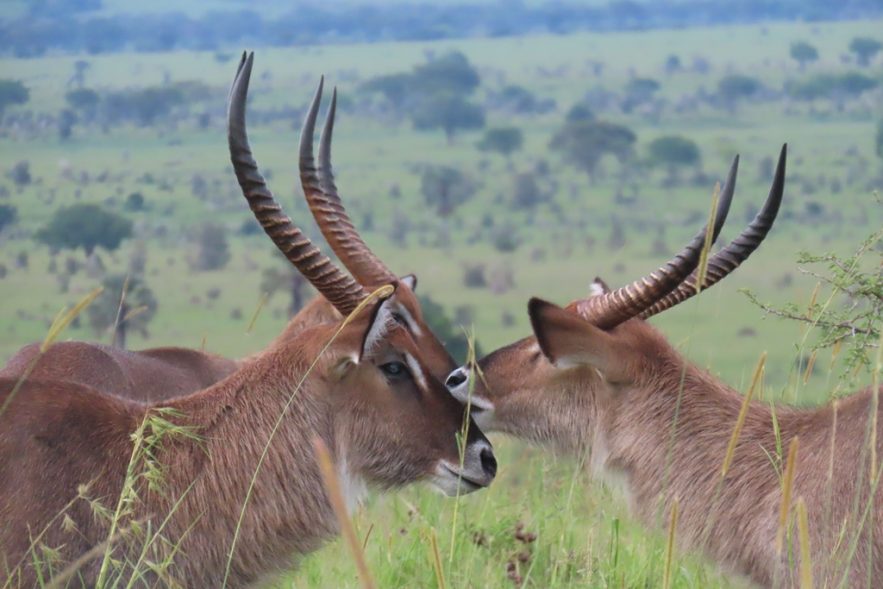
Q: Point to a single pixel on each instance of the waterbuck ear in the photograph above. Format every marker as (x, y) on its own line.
(378, 327)
(598, 287)
(568, 340)
(410, 281)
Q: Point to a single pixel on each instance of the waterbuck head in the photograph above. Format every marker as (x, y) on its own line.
(533, 387)
(385, 365)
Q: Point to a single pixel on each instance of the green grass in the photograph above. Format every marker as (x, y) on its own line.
(584, 535)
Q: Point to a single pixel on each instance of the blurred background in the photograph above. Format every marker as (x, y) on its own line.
(498, 150)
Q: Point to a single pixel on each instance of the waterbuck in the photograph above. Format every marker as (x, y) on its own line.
(597, 378)
(232, 491)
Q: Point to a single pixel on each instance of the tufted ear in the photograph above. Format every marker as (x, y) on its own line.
(598, 287)
(568, 340)
(410, 281)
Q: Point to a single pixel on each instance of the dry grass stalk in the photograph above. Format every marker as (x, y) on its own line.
(332, 485)
(787, 485)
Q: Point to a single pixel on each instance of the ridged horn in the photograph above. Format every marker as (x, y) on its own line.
(736, 252)
(326, 206)
(611, 309)
(339, 288)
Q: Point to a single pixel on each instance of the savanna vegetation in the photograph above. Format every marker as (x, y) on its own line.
(494, 168)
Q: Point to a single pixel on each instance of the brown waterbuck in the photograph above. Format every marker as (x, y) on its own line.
(240, 493)
(162, 373)
(597, 378)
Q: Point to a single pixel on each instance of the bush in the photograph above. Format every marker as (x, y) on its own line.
(8, 215)
(134, 202)
(85, 226)
(212, 250)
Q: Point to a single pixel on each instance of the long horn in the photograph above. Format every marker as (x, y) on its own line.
(611, 309)
(339, 288)
(738, 250)
(326, 206)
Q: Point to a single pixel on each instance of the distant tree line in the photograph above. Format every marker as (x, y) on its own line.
(73, 25)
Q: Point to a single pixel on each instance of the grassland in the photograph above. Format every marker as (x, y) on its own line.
(584, 537)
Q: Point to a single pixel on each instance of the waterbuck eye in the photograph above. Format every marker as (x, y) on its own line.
(394, 369)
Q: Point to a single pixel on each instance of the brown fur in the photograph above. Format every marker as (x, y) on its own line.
(615, 395)
(55, 436)
(160, 374)
(152, 375)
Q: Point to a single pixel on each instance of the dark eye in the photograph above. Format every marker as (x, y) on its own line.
(394, 369)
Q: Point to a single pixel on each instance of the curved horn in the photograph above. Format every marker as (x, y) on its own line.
(738, 250)
(611, 309)
(339, 288)
(326, 206)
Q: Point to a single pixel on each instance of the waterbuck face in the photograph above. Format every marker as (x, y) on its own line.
(397, 421)
(562, 376)
(517, 390)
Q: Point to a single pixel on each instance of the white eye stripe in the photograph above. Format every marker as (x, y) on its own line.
(416, 371)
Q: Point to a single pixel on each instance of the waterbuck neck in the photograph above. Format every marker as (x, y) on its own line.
(288, 513)
(667, 439)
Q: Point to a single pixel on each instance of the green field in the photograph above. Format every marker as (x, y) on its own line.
(585, 537)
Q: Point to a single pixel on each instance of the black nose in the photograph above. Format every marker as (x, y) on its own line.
(456, 378)
(488, 462)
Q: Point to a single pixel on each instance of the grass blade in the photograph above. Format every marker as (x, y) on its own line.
(332, 486)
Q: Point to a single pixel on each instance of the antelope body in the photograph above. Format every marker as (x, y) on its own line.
(595, 378)
(156, 374)
(364, 386)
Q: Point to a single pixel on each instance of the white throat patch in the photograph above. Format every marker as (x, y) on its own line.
(352, 486)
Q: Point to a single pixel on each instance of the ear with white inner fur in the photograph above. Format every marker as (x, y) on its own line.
(410, 281)
(598, 287)
(380, 324)
(568, 340)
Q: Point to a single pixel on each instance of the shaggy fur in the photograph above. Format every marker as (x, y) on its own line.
(617, 394)
(55, 436)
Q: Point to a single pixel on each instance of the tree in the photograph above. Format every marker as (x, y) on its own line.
(639, 91)
(445, 188)
(584, 143)
(8, 215)
(20, 173)
(865, 49)
(673, 152)
(212, 250)
(87, 226)
(579, 113)
(672, 64)
(285, 278)
(519, 100)
(733, 88)
(394, 87)
(880, 140)
(144, 106)
(81, 66)
(84, 101)
(831, 86)
(134, 202)
(126, 304)
(451, 74)
(12, 92)
(503, 140)
(452, 336)
(450, 113)
(526, 191)
(803, 53)
(66, 121)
